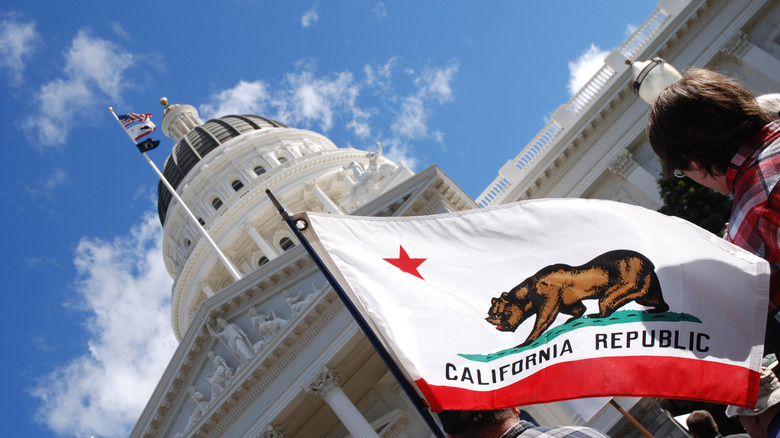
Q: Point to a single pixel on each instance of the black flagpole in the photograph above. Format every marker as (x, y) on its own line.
(419, 403)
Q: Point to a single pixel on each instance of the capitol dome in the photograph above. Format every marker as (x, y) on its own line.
(221, 170)
(200, 141)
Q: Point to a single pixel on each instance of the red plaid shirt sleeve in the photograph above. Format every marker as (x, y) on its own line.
(753, 178)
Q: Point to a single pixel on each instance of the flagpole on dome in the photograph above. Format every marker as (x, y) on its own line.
(150, 144)
(418, 402)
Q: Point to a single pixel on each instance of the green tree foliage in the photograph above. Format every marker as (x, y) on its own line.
(695, 203)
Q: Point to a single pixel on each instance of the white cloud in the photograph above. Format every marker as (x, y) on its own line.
(244, 98)
(584, 67)
(433, 86)
(316, 99)
(120, 31)
(398, 151)
(310, 17)
(411, 122)
(18, 41)
(436, 83)
(303, 99)
(94, 68)
(97, 62)
(53, 181)
(380, 10)
(125, 290)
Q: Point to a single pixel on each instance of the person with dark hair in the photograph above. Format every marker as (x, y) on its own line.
(711, 129)
(702, 425)
(506, 423)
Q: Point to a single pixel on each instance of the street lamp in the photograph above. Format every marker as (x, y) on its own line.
(651, 77)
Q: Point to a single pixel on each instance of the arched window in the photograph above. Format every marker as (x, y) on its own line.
(237, 184)
(262, 260)
(187, 242)
(216, 203)
(282, 160)
(285, 243)
(259, 170)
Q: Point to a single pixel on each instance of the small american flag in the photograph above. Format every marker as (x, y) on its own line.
(129, 118)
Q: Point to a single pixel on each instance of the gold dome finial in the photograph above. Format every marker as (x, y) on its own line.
(164, 101)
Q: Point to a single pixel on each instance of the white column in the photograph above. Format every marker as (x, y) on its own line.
(626, 167)
(264, 246)
(329, 205)
(207, 290)
(751, 56)
(326, 385)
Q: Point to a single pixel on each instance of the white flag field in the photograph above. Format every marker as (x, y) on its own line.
(554, 299)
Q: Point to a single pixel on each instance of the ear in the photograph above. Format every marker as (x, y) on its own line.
(695, 166)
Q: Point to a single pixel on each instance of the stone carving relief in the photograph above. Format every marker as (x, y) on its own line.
(201, 406)
(234, 339)
(367, 179)
(622, 164)
(323, 383)
(271, 432)
(267, 325)
(736, 47)
(297, 302)
(221, 376)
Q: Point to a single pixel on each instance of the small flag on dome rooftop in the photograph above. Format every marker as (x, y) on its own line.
(130, 118)
(141, 129)
(146, 127)
(147, 145)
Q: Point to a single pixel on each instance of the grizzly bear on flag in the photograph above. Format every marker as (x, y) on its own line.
(614, 279)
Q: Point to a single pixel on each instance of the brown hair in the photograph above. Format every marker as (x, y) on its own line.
(705, 117)
(490, 418)
(701, 424)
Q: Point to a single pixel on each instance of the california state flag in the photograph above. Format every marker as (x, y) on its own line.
(550, 300)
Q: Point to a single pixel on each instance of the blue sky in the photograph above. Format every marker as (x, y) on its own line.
(87, 326)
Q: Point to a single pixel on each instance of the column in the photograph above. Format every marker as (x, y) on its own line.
(328, 205)
(207, 290)
(751, 56)
(326, 385)
(626, 167)
(264, 246)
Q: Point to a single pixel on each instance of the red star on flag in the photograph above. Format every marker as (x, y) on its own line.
(406, 264)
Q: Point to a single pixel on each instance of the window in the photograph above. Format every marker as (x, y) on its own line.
(286, 243)
(282, 160)
(237, 184)
(187, 242)
(259, 170)
(262, 260)
(216, 203)
(201, 221)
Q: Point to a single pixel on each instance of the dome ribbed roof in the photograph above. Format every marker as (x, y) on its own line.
(203, 139)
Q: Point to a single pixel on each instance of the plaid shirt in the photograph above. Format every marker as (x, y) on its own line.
(526, 429)
(752, 178)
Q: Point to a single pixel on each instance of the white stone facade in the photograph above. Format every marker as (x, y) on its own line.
(595, 145)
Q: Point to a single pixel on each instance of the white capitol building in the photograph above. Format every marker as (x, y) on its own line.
(272, 351)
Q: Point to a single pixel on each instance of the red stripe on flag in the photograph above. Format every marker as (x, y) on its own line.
(643, 376)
